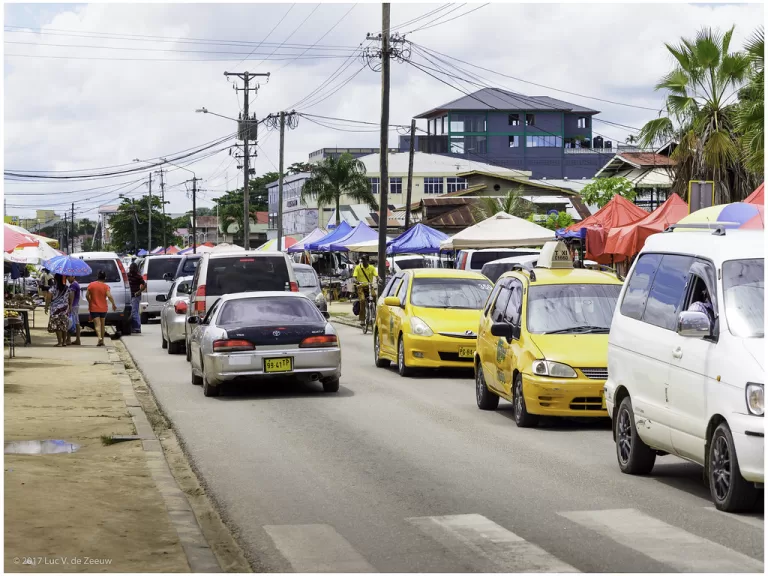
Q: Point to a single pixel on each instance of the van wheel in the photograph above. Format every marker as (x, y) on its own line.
(730, 492)
(635, 456)
(402, 369)
(144, 318)
(486, 400)
(380, 362)
(523, 418)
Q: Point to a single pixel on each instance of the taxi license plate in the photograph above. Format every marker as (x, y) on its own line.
(466, 352)
(278, 364)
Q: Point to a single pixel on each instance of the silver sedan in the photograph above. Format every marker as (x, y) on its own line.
(174, 313)
(258, 335)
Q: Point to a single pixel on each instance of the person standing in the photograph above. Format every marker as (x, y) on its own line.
(137, 285)
(364, 274)
(74, 288)
(97, 294)
(44, 282)
(59, 304)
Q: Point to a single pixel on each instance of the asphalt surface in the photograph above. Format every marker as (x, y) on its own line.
(407, 475)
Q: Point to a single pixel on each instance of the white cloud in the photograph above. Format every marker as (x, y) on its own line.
(70, 114)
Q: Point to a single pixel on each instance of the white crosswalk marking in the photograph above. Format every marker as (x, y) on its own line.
(675, 547)
(501, 549)
(749, 520)
(317, 548)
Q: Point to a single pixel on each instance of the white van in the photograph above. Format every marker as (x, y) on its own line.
(686, 367)
(117, 280)
(475, 259)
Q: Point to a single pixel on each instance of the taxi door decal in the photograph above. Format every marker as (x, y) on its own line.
(501, 355)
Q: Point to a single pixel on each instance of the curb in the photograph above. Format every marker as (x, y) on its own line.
(353, 323)
(199, 554)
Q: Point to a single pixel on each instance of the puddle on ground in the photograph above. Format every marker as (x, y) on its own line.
(34, 447)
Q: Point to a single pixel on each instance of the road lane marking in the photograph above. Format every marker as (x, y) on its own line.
(316, 548)
(675, 547)
(748, 520)
(504, 550)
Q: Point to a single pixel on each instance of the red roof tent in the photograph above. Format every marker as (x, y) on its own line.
(626, 241)
(757, 197)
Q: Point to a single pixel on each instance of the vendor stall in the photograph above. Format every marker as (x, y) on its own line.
(360, 233)
(303, 244)
(501, 230)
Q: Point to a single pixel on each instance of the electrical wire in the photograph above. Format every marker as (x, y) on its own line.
(275, 27)
(452, 10)
(325, 97)
(111, 59)
(449, 20)
(422, 17)
(291, 34)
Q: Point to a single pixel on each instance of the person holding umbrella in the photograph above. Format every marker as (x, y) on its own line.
(59, 301)
(74, 288)
(66, 266)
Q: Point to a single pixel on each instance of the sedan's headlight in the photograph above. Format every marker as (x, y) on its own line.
(755, 396)
(553, 369)
(419, 327)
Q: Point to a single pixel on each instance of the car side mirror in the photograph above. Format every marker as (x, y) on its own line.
(504, 330)
(161, 298)
(694, 325)
(393, 301)
(193, 320)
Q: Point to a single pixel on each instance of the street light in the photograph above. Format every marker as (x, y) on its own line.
(194, 201)
(205, 110)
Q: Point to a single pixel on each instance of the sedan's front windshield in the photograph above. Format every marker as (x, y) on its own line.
(466, 293)
(744, 295)
(571, 308)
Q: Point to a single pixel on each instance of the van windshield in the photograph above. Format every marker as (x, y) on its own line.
(572, 308)
(235, 274)
(744, 295)
(158, 267)
(108, 266)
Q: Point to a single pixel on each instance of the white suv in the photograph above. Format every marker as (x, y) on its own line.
(686, 360)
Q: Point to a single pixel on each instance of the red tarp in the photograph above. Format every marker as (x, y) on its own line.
(757, 196)
(626, 241)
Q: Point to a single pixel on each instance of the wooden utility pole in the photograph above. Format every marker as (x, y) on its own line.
(72, 240)
(194, 215)
(410, 176)
(280, 185)
(65, 233)
(384, 151)
(149, 224)
(162, 201)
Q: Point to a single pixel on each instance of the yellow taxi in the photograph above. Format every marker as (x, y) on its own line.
(428, 318)
(543, 339)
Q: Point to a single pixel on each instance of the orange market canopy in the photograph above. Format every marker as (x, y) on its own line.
(626, 241)
(758, 196)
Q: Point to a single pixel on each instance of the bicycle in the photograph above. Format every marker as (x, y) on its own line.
(370, 310)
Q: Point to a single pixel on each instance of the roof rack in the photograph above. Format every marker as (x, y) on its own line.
(717, 228)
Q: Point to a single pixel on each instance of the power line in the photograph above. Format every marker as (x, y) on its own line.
(292, 33)
(288, 58)
(314, 103)
(449, 20)
(422, 17)
(268, 35)
(452, 10)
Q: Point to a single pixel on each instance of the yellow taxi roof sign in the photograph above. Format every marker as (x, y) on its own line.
(555, 255)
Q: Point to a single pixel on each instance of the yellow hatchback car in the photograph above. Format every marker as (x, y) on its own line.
(428, 318)
(543, 339)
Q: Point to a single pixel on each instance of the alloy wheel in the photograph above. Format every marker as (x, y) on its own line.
(721, 468)
(401, 355)
(376, 346)
(624, 436)
(518, 397)
(479, 384)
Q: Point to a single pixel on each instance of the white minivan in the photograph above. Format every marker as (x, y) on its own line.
(686, 367)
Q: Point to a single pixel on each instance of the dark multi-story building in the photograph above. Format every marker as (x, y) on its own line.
(549, 137)
(320, 155)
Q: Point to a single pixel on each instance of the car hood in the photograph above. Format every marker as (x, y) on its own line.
(449, 320)
(576, 350)
(754, 347)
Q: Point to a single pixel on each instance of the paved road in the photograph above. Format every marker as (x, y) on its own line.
(407, 475)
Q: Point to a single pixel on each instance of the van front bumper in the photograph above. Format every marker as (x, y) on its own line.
(573, 397)
(749, 438)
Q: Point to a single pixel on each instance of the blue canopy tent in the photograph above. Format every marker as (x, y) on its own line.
(579, 234)
(420, 239)
(341, 230)
(142, 252)
(361, 233)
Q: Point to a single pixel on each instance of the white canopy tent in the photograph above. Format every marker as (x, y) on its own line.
(499, 231)
(369, 246)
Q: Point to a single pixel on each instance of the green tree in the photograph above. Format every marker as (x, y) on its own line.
(298, 168)
(336, 177)
(512, 203)
(700, 115)
(602, 190)
(750, 113)
(553, 221)
(122, 225)
(231, 203)
(86, 227)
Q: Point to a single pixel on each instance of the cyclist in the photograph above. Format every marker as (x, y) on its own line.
(364, 275)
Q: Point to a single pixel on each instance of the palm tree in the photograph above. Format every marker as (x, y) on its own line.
(336, 177)
(512, 203)
(700, 117)
(750, 116)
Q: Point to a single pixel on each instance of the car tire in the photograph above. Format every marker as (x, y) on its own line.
(486, 400)
(331, 385)
(208, 390)
(523, 418)
(730, 492)
(174, 347)
(187, 347)
(126, 328)
(402, 369)
(164, 344)
(144, 318)
(380, 362)
(634, 456)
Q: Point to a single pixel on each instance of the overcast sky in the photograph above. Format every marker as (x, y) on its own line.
(86, 105)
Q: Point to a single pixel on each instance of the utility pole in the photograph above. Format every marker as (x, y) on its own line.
(72, 241)
(149, 224)
(410, 176)
(384, 151)
(247, 135)
(280, 120)
(162, 200)
(65, 239)
(194, 215)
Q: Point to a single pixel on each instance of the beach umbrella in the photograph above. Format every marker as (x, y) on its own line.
(735, 215)
(67, 266)
(32, 254)
(271, 245)
(13, 239)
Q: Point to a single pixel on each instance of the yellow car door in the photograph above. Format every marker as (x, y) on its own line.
(494, 354)
(384, 315)
(397, 314)
(509, 350)
(484, 337)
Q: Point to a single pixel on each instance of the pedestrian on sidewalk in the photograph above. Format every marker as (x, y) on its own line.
(97, 294)
(74, 288)
(137, 284)
(58, 302)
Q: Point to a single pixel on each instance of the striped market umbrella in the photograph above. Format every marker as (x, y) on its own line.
(271, 245)
(13, 239)
(736, 215)
(67, 266)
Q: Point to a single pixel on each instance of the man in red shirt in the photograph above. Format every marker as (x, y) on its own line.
(97, 295)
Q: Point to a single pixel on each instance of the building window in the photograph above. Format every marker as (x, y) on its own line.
(442, 123)
(543, 141)
(468, 145)
(583, 122)
(530, 120)
(514, 119)
(468, 123)
(514, 141)
(456, 184)
(433, 185)
(395, 185)
(375, 185)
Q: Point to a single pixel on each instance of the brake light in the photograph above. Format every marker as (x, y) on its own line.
(200, 300)
(180, 307)
(324, 341)
(294, 286)
(123, 274)
(232, 346)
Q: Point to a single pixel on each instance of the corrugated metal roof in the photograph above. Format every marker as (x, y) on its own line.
(648, 159)
(460, 217)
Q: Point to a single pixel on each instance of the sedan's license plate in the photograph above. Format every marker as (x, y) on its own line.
(278, 364)
(466, 352)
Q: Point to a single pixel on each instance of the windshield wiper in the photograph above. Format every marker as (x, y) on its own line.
(581, 330)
